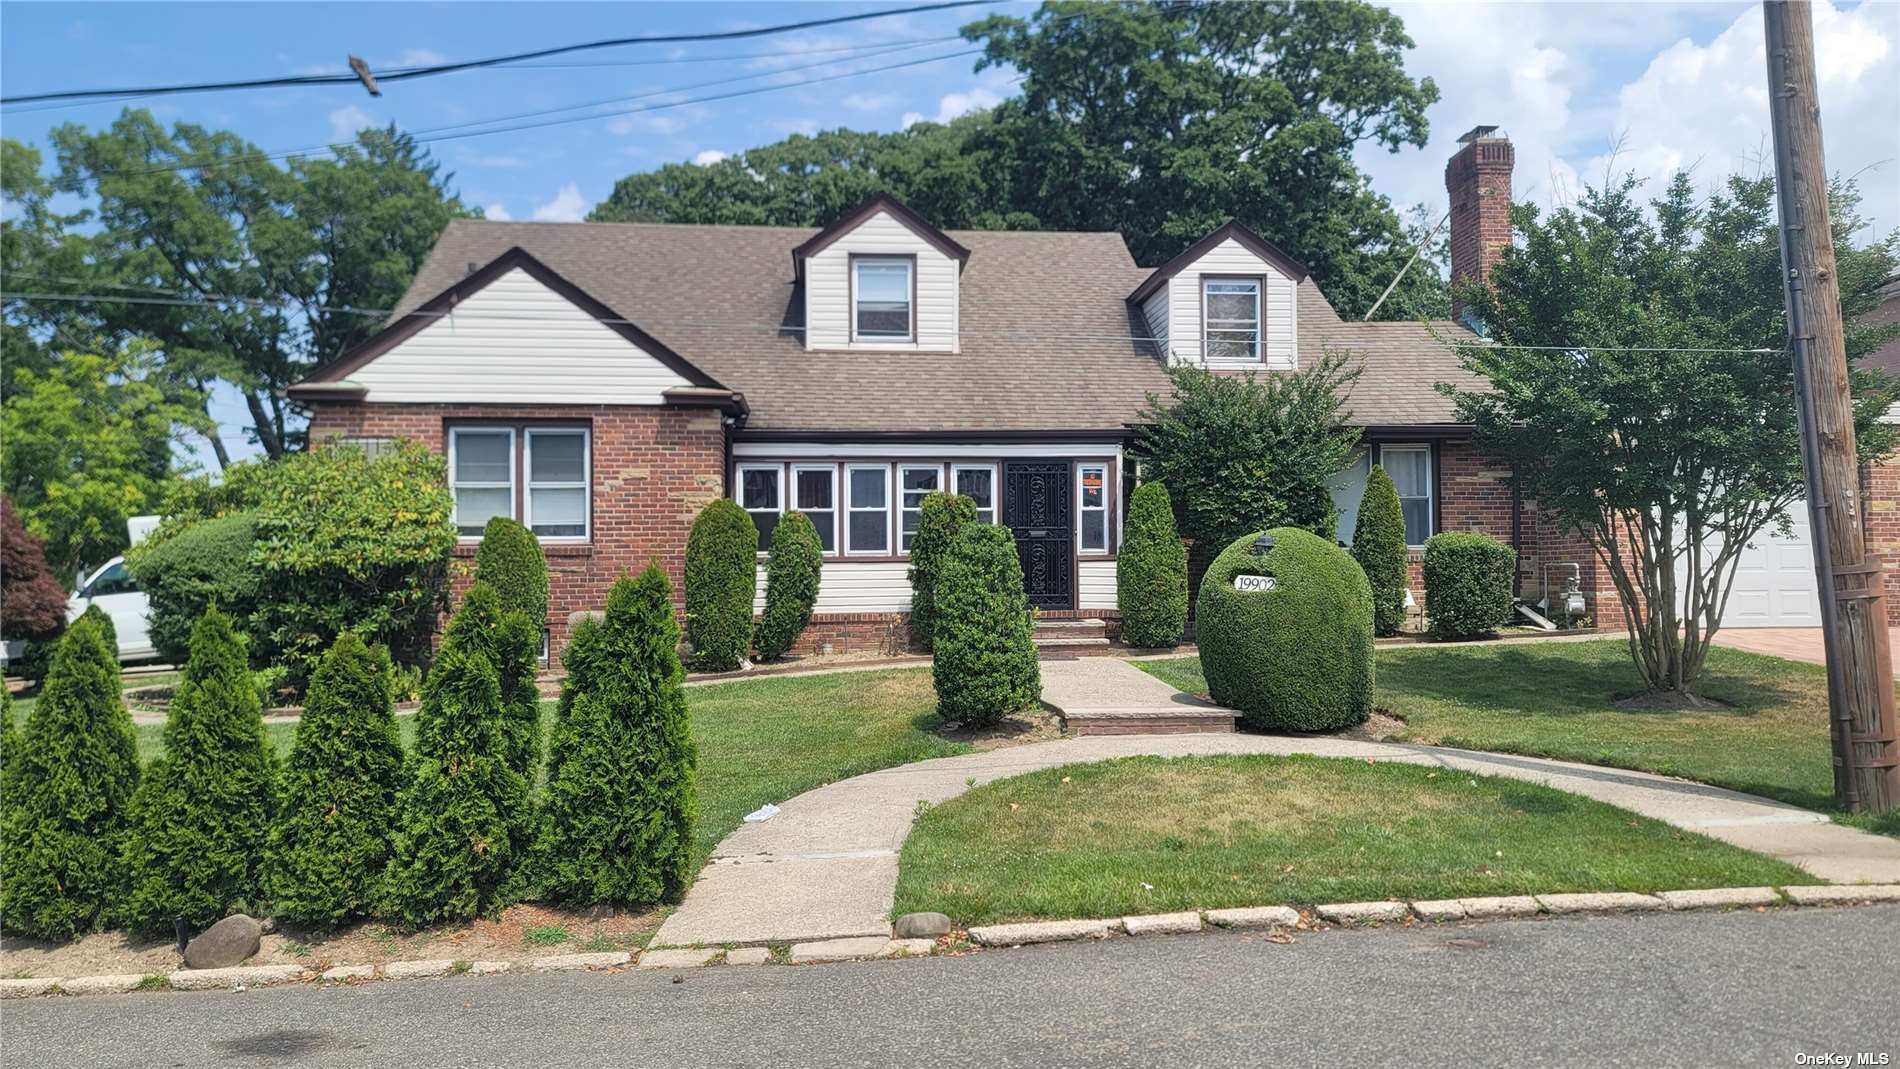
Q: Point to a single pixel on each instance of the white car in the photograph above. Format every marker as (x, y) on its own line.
(119, 597)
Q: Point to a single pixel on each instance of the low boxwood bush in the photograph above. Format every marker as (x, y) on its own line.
(1378, 544)
(1151, 572)
(204, 565)
(792, 571)
(1467, 584)
(722, 577)
(940, 517)
(510, 561)
(1297, 657)
(985, 666)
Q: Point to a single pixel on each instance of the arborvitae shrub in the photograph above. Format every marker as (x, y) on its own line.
(461, 815)
(722, 576)
(67, 786)
(617, 819)
(511, 642)
(1378, 544)
(204, 565)
(510, 560)
(1297, 657)
(985, 666)
(338, 805)
(201, 818)
(107, 628)
(1151, 572)
(791, 584)
(1467, 584)
(940, 518)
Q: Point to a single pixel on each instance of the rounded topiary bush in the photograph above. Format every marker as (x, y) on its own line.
(985, 666)
(722, 577)
(940, 516)
(1378, 544)
(1467, 584)
(510, 560)
(791, 584)
(1297, 657)
(1151, 572)
(207, 564)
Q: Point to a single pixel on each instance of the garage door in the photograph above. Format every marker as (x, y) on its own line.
(1774, 580)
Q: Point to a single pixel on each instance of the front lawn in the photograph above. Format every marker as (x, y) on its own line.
(1152, 835)
(1559, 699)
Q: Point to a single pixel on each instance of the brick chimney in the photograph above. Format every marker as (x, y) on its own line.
(1478, 179)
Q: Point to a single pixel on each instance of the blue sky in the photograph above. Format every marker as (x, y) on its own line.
(1672, 85)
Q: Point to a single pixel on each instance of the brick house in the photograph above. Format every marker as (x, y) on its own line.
(601, 382)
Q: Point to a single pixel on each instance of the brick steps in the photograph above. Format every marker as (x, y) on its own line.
(1149, 721)
(1071, 638)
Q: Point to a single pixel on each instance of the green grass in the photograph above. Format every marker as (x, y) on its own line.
(546, 935)
(1549, 699)
(1149, 835)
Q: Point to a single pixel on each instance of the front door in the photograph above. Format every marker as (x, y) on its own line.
(1039, 509)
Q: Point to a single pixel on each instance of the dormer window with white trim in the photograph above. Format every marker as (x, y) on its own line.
(881, 292)
(1230, 318)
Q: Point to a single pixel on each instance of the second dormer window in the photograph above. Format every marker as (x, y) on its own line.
(1230, 309)
(881, 289)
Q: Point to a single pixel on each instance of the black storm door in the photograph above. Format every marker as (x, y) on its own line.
(1039, 509)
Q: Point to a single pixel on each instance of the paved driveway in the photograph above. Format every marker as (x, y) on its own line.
(1794, 643)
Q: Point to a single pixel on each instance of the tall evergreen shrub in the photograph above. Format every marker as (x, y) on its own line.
(722, 577)
(1151, 572)
(510, 560)
(941, 517)
(338, 807)
(1378, 544)
(985, 666)
(792, 571)
(617, 820)
(64, 795)
(201, 818)
(510, 641)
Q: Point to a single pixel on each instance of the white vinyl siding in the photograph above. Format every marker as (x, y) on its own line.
(517, 342)
(848, 586)
(1095, 584)
(828, 311)
(1231, 258)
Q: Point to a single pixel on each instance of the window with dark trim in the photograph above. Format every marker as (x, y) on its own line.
(1410, 467)
(1230, 319)
(539, 476)
(881, 291)
(815, 493)
(760, 495)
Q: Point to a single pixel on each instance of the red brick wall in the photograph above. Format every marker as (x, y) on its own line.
(1880, 518)
(654, 469)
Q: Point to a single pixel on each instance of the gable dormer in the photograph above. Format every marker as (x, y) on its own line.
(1226, 303)
(881, 278)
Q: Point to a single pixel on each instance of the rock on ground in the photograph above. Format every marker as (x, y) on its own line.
(920, 926)
(231, 941)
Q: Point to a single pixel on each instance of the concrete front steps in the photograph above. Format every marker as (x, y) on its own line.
(1072, 638)
(1105, 696)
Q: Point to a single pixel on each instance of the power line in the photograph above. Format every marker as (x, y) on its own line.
(450, 68)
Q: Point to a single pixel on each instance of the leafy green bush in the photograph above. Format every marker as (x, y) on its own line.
(1151, 572)
(1378, 544)
(792, 572)
(722, 577)
(349, 543)
(941, 517)
(510, 641)
(204, 565)
(330, 844)
(1467, 584)
(32, 602)
(202, 815)
(1297, 657)
(68, 782)
(985, 666)
(617, 819)
(510, 560)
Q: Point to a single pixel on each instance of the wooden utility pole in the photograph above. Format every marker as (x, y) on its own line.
(1853, 603)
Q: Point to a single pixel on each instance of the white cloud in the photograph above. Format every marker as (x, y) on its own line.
(346, 121)
(808, 127)
(568, 206)
(951, 105)
(709, 156)
(496, 211)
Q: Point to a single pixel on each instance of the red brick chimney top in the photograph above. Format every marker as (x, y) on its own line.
(1478, 180)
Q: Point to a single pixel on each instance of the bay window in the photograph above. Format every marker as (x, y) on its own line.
(538, 476)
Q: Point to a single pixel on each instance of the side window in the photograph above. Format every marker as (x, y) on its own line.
(1092, 485)
(979, 485)
(867, 509)
(759, 495)
(1411, 469)
(918, 480)
(114, 580)
(815, 493)
(481, 476)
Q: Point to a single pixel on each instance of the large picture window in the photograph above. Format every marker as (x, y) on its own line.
(1410, 467)
(881, 298)
(1091, 482)
(760, 495)
(815, 493)
(539, 476)
(1230, 319)
(867, 509)
(916, 482)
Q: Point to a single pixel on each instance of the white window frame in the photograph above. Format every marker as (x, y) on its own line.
(837, 506)
(455, 435)
(778, 486)
(1259, 316)
(996, 477)
(1431, 484)
(585, 486)
(890, 546)
(898, 530)
(1106, 508)
(910, 298)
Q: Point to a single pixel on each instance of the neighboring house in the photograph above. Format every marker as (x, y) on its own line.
(601, 382)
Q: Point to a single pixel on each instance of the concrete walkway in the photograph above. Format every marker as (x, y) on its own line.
(826, 866)
(1793, 643)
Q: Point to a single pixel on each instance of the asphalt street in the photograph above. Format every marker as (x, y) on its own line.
(1649, 990)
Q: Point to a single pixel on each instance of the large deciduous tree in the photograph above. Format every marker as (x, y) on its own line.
(1642, 390)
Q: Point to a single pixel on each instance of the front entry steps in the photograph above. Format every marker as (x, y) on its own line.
(1149, 721)
(1108, 696)
(1071, 638)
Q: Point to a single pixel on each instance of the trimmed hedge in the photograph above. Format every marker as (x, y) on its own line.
(201, 818)
(1151, 572)
(331, 842)
(985, 666)
(510, 560)
(617, 819)
(1378, 544)
(792, 572)
(722, 577)
(205, 565)
(67, 791)
(1467, 584)
(1295, 658)
(940, 517)
(510, 641)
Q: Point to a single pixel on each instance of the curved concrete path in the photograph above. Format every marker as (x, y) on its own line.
(826, 866)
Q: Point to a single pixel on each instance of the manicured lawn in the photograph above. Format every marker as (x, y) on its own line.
(1558, 699)
(1149, 835)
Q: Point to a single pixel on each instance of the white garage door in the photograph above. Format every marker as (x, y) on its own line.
(1774, 580)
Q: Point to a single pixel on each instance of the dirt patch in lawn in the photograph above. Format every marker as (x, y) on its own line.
(1019, 730)
(1379, 727)
(1650, 701)
(519, 933)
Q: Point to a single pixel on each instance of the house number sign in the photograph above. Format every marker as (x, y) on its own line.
(1253, 584)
